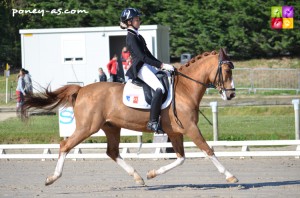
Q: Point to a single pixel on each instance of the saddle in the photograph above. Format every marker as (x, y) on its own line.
(138, 94)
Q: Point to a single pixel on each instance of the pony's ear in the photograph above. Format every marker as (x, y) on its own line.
(222, 54)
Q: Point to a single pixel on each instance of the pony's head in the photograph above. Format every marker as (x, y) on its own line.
(222, 79)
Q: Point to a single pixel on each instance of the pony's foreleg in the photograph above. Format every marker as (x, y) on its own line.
(130, 170)
(162, 170)
(229, 177)
(58, 169)
(177, 143)
(196, 136)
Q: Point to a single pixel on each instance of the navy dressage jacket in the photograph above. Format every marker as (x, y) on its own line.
(140, 54)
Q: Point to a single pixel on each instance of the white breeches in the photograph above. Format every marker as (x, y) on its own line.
(147, 74)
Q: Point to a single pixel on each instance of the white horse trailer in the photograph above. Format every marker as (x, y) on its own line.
(63, 56)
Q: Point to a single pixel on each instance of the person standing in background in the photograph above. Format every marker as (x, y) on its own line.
(27, 80)
(125, 58)
(20, 91)
(102, 75)
(112, 68)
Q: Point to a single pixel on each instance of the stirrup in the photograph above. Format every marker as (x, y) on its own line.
(155, 127)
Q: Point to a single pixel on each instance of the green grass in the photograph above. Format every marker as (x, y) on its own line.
(251, 123)
(276, 92)
(235, 123)
(39, 129)
(292, 63)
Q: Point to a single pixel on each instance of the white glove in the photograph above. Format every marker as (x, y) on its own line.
(168, 67)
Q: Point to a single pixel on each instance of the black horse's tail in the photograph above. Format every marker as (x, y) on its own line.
(49, 100)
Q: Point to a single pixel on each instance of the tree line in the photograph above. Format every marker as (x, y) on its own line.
(243, 27)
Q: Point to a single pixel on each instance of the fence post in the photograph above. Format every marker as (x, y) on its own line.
(252, 81)
(214, 108)
(6, 90)
(296, 108)
(139, 139)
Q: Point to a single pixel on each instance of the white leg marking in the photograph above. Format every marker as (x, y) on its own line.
(219, 166)
(60, 164)
(129, 169)
(58, 169)
(179, 161)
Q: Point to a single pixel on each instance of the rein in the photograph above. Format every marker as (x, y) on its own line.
(210, 85)
(218, 74)
(173, 101)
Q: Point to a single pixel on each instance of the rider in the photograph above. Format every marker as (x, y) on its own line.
(144, 64)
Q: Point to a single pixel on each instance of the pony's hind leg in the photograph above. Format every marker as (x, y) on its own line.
(177, 143)
(113, 140)
(202, 144)
(65, 146)
(58, 169)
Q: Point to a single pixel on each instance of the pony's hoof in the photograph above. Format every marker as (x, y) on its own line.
(49, 181)
(232, 179)
(140, 182)
(138, 179)
(151, 174)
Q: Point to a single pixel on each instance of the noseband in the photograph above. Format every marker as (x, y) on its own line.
(220, 83)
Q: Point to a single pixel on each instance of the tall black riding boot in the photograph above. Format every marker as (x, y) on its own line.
(154, 123)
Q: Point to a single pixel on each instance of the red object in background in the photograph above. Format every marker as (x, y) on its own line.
(276, 23)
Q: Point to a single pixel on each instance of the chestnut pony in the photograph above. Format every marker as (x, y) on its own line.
(99, 106)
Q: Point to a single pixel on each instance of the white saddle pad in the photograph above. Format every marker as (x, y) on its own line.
(133, 96)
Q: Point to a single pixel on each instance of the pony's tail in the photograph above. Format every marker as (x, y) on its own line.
(49, 100)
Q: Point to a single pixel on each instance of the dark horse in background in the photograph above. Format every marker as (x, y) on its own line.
(99, 106)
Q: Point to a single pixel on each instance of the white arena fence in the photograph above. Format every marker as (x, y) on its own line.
(259, 148)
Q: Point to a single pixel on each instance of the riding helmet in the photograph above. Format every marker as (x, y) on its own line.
(128, 14)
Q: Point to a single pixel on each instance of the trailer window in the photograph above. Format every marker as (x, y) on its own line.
(73, 49)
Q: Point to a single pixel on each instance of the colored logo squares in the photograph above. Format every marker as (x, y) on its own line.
(282, 17)
(276, 12)
(287, 23)
(288, 12)
(276, 23)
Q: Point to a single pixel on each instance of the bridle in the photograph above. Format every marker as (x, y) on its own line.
(220, 83)
(215, 83)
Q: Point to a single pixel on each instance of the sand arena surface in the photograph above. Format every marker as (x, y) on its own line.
(259, 177)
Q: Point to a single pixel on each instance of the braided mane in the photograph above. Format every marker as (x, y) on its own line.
(198, 57)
